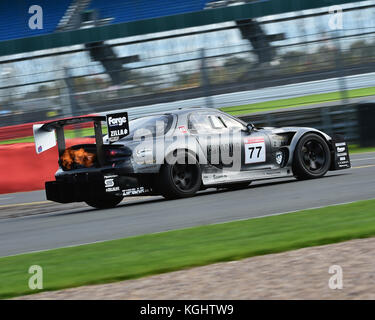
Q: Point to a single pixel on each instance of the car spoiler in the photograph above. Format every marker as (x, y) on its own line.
(45, 138)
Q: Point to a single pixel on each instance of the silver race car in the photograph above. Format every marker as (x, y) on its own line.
(178, 153)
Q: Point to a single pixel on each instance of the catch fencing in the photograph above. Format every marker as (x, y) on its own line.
(338, 119)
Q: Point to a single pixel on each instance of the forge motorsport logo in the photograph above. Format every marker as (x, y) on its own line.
(118, 126)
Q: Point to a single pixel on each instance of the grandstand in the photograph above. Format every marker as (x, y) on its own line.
(126, 11)
(126, 53)
(65, 14)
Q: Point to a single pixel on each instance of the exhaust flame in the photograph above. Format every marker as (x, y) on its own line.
(79, 156)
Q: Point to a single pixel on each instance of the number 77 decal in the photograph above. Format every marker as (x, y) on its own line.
(255, 150)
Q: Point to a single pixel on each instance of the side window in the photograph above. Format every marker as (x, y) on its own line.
(216, 122)
(199, 123)
(209, 123)
(231, 123)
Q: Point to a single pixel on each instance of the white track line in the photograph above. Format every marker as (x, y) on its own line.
(209, 224)
(362, 159)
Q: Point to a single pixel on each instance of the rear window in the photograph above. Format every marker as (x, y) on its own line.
(147, 125)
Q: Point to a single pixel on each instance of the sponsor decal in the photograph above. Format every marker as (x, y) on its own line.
(116, 121)
(182, 129)
(255, 150)
(111, 184)
(279, 157)
(340, 144)
(118, 126)
(341, 149)
(134, 191)
(220, 176)
(114, 189)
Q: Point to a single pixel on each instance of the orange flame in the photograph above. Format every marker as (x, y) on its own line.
(79, 156)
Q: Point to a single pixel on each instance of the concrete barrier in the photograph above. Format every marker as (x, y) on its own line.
(21, 169)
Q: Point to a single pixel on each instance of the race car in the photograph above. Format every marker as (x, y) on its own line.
(178, 153)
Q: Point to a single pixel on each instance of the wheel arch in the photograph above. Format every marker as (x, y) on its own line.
(184, 149)
(300, 134)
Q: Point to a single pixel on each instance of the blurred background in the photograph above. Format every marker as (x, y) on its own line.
(271, 62)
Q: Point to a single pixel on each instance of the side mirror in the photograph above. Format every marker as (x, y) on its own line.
(250, 127)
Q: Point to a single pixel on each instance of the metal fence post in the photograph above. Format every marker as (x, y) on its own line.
(72, 101)
(326, 119)
(205, 80)
(340, 68)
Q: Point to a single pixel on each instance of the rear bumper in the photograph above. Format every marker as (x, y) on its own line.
(85, 186)
(70, 192)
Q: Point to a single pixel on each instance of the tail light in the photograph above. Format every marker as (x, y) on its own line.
(117, 153)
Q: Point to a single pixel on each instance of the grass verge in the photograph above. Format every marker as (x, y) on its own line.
(355, 148)
(298, 101)
(163, 252)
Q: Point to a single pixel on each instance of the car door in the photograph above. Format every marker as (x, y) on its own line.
(255, 146)
(208, 129)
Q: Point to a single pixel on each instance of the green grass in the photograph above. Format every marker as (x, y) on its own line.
(354, 148)
(156, 253)
(17, 140)
(297, 102)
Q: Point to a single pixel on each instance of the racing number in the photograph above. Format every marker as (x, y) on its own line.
(252, 150)
(255, 150)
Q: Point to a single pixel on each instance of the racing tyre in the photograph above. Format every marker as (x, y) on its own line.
(181, 179)
(104, 201)
(312, 157)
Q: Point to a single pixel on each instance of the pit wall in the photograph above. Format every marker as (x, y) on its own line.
(21, 169)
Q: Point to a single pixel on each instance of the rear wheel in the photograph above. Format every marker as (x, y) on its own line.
(181, 179)
(104, 201)
(312, 157)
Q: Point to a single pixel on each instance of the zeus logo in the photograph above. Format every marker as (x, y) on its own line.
(116, 121)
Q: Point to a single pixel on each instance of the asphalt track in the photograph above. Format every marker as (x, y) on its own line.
(61, 226)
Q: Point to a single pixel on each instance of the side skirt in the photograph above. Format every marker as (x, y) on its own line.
(226, 176)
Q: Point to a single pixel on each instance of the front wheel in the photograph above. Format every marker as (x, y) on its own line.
(312, 157)
(104, 201)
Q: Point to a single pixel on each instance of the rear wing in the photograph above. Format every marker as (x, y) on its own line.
(45, 137)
